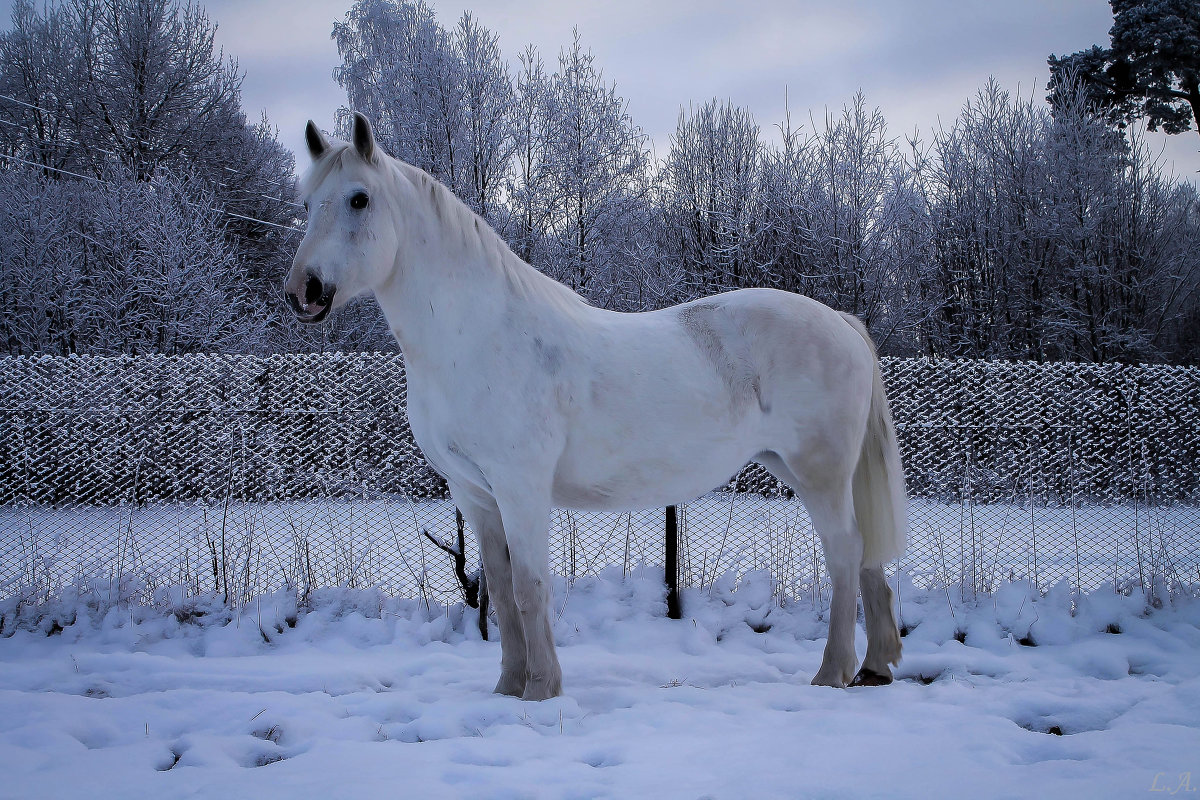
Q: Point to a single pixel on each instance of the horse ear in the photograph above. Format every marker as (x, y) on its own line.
(316, 141)
(363, 138)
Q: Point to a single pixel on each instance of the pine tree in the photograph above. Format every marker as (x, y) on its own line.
(1151, 70)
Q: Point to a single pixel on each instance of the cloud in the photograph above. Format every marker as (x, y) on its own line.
(919, 62)
(276, 30)
(284, 48)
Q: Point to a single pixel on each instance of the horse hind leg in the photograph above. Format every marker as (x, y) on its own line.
(883, 637)
(831, 509)
(833, 520)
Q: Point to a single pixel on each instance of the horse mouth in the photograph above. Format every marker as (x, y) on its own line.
(314, 312)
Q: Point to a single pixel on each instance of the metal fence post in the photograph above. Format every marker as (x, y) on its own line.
(671, 557)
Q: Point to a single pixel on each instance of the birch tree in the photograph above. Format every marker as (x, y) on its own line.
(528, 186)
(440, 100)
(488, 106)
(39, 72)
(597, 162)
(712, 196)
(399, 68)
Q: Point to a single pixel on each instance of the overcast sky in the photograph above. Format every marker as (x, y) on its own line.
(918, 61)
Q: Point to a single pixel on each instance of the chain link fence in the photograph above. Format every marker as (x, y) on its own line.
(242, 474)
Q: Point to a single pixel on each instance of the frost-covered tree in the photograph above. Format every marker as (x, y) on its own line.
(155, 92)
(1052, 237)
(992, 260)
(843, 219)
(528, 184)
(120, 266)
(711, 194)
(849, 193)
(399, 68)
(440, 100)
(40, 72)
(251, 175)
(488, 104)
(597, 165)
(130, 84)
(106, 90)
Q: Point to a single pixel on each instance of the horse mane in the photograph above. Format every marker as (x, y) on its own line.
(460, 221)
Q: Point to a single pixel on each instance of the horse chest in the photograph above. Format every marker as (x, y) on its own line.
(468, 429)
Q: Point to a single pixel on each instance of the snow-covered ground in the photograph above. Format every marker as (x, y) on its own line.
(1008, 695)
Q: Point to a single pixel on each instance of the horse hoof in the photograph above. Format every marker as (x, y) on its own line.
(830, 684)
(822, 679)
(510, 688)
(869, 677)
(537, 690)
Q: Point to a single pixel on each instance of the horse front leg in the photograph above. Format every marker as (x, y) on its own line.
(483, 517)
(526, 516)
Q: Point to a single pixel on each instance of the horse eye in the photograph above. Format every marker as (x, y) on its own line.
(358, 201)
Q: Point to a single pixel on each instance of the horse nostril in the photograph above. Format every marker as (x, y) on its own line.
(313, 289)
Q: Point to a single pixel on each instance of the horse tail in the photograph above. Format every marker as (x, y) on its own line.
(880, 500)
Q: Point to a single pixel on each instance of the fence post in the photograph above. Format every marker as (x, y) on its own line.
(672, 565)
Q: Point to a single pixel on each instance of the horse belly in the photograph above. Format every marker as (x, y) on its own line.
(649, 471)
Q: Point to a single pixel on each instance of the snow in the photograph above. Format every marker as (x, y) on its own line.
(363, 695)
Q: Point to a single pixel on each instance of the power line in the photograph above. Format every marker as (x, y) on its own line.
(53, 169)
(109, 183)
(264, 222)
(23, 103)
(264, 180)
(142, 142)
(245, 195)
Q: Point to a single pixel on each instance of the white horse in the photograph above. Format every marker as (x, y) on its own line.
(525, 398)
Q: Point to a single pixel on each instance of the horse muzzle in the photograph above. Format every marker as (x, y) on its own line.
(312, 301)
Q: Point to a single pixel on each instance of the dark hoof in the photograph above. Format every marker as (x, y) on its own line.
(869, 677)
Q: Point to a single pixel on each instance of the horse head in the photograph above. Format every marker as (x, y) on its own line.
(350, 245)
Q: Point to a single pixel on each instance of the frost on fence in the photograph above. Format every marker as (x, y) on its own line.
(241, 473)
(995, 431)
(209, 427)
(205, 428)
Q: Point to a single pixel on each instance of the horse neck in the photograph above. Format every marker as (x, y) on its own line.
(459, 282)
